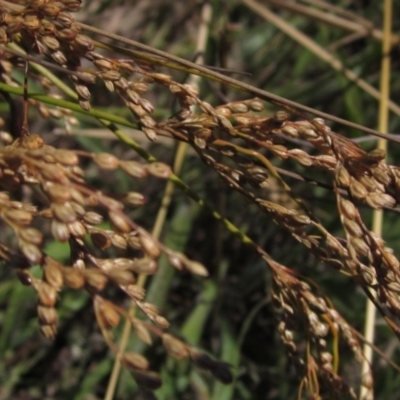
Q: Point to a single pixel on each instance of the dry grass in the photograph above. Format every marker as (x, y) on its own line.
(60, 192)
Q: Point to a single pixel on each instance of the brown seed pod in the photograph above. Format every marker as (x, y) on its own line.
(32, 253)
(47, 315)
(92, 218)
(135, 199)
(31, 235)
(134, 361)
(100, 239)
(64, 212)
(136, 292)
(106, 161)
(52, 273)
(149, 245)
(47, 295)
(73, 277)
(120, 221)
(144, 265)
(95, 279)
(19, 217)
(175, 347)
(59, 231)
(121, 277)
(109, 316)
(118, 241)
(48, 331)
(159, 170)
(134, 169)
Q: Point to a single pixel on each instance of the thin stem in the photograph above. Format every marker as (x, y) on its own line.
(377, 221)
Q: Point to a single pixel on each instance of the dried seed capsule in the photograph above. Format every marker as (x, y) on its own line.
(135, 361)
(161, 322)
(136, 292)
(106, 161)
(121, 277)
(31, 252)
(92, 218)
(135, 199)
(109, 316)
(134, 169)
(353, 228)
(256, 105)
(120, 221)
(58, 193)
(360, 246)
(31, 235)
(19, 217)
(144, 266)
(174, 347)
(66, 157)
(379, 200)
(290, 131)
(342, 177)
(64, 212)
(52, 273)
(59, 231)
(73, 277)
(195, 267)
(348, 209)
(143, 333)
(158, 169)
(100, 239)
(118, 241)
(358, 190)
(48, 331)
(47, 315)
(149, 245)
(77, 229)
(47, 295)
(95, 279)
(238, 107)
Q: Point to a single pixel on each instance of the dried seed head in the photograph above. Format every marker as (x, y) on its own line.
(64, 212)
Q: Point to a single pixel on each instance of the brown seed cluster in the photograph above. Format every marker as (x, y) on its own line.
(73, 211)
(238, 140)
